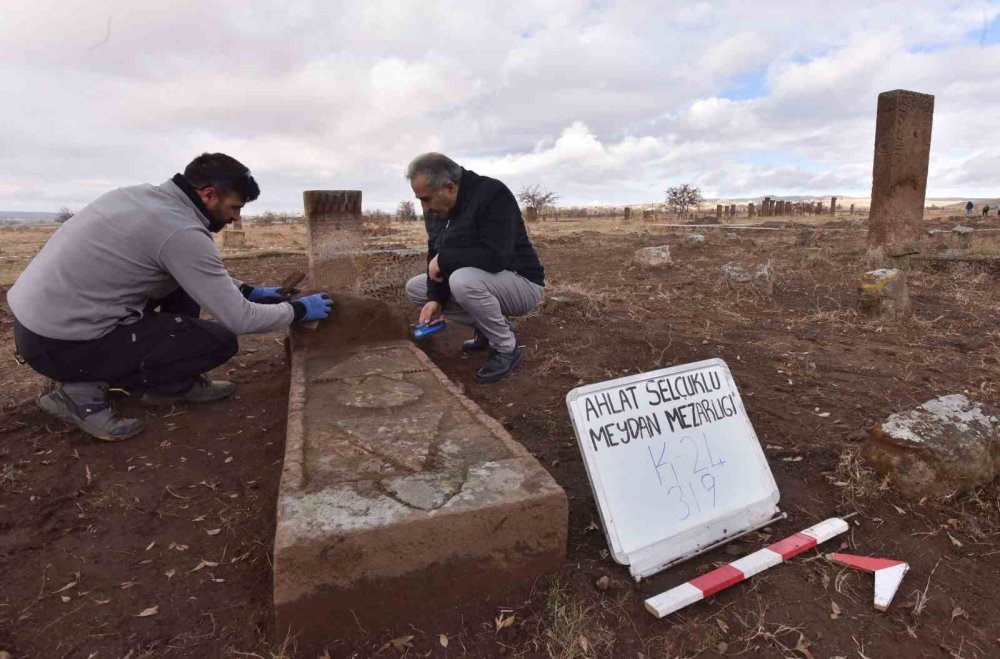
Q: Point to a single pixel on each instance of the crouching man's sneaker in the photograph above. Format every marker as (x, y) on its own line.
(88, 407)
(499, 365)
(203, 391)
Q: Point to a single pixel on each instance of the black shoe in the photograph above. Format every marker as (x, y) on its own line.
(498, 365)
(477, 342)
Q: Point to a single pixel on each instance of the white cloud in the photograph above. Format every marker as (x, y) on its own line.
(601, 100)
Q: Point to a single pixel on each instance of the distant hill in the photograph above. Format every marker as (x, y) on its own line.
(27, 216)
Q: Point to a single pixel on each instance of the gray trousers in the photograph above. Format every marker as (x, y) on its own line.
(484, 299)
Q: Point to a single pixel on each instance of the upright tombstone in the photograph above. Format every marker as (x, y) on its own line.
(628, 213)
(531, 214)
(751, 210)
(334, 228)
(899, 173)
(819, 208)
(718, 212)
(732, 211)
(852, 209)
(765, 207)
(833, 205)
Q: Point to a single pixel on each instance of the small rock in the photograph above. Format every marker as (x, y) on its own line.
(654, 257)
(735, 274)
(603, 583)
(948, 444)
(763, 279)
(695, 240)
(882, 294)
(962, 230)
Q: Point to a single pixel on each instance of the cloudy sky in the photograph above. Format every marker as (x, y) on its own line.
(601, 100)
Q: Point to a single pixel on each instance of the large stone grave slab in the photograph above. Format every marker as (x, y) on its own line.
(401, 502)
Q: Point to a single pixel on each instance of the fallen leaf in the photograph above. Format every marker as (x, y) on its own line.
(899, 510)
(200, 518)
(102, 601)
(174, 545)
(823, 414)
(803, 647)
(125, 585)
(722, 625)
(954, 541)
(214, 580)
(958, 612)
(835, 611)
(151, 611)
(584, 643)
(228, 460)
(202, 564)
(797, 458)
(170, 573)
(443, 640)
(603, 583)
(150, 546)
(65, 598)
(214, 531)
(402, 642)
(503, 622)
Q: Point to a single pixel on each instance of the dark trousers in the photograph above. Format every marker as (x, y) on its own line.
(164, 351)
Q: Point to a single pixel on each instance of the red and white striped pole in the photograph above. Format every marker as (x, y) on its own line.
(728, 575)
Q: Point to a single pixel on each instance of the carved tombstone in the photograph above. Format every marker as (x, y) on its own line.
(833, 205)
(751, 210)
(718, 212)
(334, 227)
(899, 173)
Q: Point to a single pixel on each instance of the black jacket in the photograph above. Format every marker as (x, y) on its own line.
(484, 230)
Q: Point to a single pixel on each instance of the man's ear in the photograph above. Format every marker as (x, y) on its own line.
(208, 195)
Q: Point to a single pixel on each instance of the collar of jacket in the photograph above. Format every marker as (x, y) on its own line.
(466, 186)
(213, 225)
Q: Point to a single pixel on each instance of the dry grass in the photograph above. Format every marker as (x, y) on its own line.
(9, 476)
(570, 627)
(856, 480)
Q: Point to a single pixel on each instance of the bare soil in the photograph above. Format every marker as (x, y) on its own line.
(182, 517)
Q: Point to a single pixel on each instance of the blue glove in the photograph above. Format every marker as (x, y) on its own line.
(267, 295)
(312, 307)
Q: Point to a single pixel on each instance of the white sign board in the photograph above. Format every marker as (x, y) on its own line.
(673, 461)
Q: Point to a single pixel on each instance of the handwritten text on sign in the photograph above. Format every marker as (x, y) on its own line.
(673, 460)
(683, 463)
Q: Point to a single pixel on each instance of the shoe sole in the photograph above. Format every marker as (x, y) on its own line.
(56, 411)
(476, 349)
(143, 400)
(496, 378)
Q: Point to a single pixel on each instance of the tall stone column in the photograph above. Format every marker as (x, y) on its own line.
(765, 207)
(899, 173)
(334, 225)
(852, 209)
(833, 205)
(628, 213)
(531, 214)
(751, 210)
(718, 212)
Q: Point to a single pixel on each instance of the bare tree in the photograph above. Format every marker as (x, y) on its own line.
(535, 196)
(406, 211)
(684, 197)
(64, 214)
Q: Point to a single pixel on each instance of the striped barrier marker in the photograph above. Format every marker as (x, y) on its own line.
(721, 578)
(888, 572)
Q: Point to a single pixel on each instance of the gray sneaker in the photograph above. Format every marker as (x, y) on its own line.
(88, 407)
(203, 391)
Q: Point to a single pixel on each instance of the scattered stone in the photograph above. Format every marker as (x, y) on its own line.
(695, 240)
(763, 279)
(731, 235)
(654, 257)
(882, 294)
(959, 229)
(964, 235)
(948, 444)
(734, 273)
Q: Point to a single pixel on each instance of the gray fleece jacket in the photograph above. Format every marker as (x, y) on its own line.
(101, 267)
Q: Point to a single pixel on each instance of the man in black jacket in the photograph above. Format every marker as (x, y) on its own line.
(481, 267)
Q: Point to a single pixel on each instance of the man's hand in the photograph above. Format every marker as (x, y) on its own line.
(269, 294)
(434, 270)
(312, 307)
(430, 312)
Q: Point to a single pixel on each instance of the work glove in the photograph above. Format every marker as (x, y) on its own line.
(312, 307)
(267, 294)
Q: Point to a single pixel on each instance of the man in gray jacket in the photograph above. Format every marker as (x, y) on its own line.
(111, 302)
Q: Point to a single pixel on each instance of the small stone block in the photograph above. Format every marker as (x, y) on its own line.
(654, 257)
(234, 239)
(882, 294)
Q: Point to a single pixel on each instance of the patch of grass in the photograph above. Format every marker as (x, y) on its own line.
(9, 477)
(855, 478)
(569, 627)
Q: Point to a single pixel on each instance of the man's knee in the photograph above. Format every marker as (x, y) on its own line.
(416, 289)
(225, 343)
(464, 281)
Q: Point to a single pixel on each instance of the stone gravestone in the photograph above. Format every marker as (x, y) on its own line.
(751, 210)
(883, 294)
(718, 212)
(628, 213)
(833, 205)
(899, 173)
(401, 502)
(531, 214)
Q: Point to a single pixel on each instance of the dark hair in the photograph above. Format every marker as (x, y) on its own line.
(223, 172)
(438, 168)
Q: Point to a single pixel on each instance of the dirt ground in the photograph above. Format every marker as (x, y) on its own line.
(179, 522)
